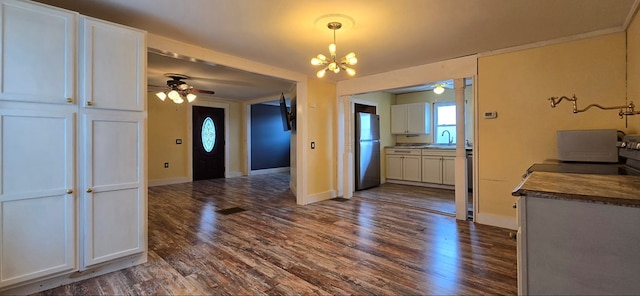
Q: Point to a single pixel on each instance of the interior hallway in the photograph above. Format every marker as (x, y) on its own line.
(263, 243)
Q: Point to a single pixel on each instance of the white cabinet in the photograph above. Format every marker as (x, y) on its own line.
(72, 194)
(403, 164)
(438, 166)
(37, 199)
(38, 53)
(114, 200)
(411, 118)
(112, 76)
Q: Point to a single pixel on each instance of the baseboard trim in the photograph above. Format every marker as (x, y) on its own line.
(431, 185)
(320, 196)
(168, 181)
(270, 171)
(496, 220)
(234, 174)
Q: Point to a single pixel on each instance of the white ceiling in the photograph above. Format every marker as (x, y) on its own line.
(386, 35)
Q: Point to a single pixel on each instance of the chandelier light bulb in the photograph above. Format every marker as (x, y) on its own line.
(191, 97)
(321, 73)
(316, 61)
(350, 71)
(161, 95)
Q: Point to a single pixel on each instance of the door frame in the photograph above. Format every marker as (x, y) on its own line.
(202, 102)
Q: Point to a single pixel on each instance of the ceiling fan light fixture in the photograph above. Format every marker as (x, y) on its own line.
(191, 97)
(332, 62)
(438, 90)
(161, 95)
(174, 96)
(179, 100)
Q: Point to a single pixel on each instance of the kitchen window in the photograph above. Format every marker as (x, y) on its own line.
(445, 122)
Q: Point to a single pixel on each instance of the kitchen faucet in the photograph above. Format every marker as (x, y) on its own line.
(449, 138)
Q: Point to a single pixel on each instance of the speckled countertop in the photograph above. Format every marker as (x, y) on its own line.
(621, 190)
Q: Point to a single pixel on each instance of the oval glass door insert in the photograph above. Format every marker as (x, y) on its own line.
(208, 134)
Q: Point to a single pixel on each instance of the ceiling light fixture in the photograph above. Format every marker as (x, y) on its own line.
(439, 89)
(331, 63)
(177, 90)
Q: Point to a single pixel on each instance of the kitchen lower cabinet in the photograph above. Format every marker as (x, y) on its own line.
(438, 166)
(403, 164)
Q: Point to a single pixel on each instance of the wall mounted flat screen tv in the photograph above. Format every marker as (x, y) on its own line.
(285, 114)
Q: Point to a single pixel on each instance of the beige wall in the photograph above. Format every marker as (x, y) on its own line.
(517, 85)
(166, 123)
(321, 162)
(169, 121)
(633, 71)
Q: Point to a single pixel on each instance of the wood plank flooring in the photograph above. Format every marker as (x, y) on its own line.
(441, 201)
(357, 247)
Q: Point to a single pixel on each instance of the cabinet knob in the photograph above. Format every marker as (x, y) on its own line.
(69, 191)
(69, 100)
(89, 190)
(89, 103)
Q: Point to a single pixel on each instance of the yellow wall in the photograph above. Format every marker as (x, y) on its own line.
(633, 71)
(322, 118)
(517, 85)
(384, 101)
(168, 122)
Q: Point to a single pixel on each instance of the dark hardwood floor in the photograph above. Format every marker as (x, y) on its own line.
(360, 246)
(441, 201)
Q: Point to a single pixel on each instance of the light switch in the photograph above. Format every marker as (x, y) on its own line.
(313, 145)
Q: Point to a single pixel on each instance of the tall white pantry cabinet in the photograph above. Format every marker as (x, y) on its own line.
(73, 185)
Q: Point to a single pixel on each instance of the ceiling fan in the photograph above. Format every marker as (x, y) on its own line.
(177, 90)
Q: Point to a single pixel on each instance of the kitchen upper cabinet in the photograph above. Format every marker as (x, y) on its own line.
(38, 53)
(112, 76)
(37, 200)
(411, 118)
(113, 186)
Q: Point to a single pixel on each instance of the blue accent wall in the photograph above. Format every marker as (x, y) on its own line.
(270, 144)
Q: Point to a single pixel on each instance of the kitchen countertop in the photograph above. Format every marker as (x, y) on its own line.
(623, 190)
(428, 146)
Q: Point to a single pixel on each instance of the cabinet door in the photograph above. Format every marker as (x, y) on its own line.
(394, 167)
(416, 118)
(411, 168)
(432, 169)
(37, 204)
(37, 53)
(114, 190)
(398, 119)
(113, 76)
(448, 170)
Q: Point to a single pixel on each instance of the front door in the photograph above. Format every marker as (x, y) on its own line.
(208, 143)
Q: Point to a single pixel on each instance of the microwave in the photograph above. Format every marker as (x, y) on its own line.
(588, 145)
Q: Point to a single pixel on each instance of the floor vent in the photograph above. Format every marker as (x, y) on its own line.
(230, 211)
(340, 199)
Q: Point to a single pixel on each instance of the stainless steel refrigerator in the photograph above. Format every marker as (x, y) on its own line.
(367, 152)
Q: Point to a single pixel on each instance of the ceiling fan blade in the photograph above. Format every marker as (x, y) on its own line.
(201, 91)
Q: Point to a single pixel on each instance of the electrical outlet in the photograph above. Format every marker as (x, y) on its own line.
(166, 165)
(313, 145)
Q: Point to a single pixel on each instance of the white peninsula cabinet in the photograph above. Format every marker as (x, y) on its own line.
(411, 118)
(72, 147)
(403, 164)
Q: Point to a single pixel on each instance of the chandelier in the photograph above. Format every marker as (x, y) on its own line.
(332, 63)
(177, 90)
